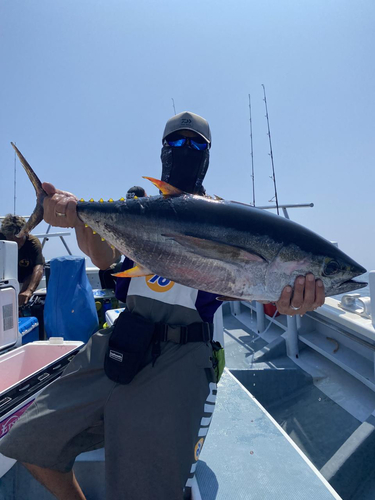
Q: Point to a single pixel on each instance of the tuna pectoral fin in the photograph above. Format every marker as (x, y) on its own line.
(215, 249)
(134, 272)
(227, 299)
(164, 187)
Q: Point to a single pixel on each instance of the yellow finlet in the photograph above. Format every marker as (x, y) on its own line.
(122, 199)
(81, 199)
(110, 200)
(164, 187)
(92, 199)
(134, 272)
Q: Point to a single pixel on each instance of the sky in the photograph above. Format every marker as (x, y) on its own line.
(87, 86)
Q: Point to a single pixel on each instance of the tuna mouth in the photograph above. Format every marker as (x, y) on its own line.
(353, 285)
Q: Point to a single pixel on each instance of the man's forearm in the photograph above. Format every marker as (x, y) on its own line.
(100, 252)
(33, 283)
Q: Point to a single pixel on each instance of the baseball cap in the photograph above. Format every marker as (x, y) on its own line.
(188, 121)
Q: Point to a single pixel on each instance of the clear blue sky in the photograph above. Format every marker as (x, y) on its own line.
(86, 89)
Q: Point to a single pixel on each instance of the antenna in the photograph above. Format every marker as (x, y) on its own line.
(271, 153)
(174, 107)
(252, 152)
(15, 182)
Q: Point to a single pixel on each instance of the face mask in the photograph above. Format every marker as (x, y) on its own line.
(184, 168)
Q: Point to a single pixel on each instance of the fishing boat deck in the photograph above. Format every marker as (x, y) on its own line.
(248, 456)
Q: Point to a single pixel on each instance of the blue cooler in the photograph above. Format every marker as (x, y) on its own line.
(29, 329)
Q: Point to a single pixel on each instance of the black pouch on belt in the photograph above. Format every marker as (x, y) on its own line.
(129, 341)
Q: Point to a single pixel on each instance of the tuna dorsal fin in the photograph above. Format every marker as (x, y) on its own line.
(215, 249)
(164, 187)
(134, 272)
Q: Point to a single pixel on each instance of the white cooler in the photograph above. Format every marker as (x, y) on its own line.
(25, 371)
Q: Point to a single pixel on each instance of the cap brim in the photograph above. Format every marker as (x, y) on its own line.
(192, 130)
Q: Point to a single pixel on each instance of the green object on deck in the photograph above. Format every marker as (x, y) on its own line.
(219, 359)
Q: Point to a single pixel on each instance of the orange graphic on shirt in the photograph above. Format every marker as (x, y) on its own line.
(158, 284)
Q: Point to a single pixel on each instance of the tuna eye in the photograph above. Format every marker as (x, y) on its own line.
(331, 268)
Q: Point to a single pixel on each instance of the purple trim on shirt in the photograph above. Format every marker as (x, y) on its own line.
(122, 284)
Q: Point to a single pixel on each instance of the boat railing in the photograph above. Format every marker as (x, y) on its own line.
(48, 235)
(285, 207)
(348, 321)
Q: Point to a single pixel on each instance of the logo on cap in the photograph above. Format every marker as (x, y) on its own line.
(185, 121)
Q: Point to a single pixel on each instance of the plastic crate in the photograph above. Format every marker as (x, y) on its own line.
(29, 329)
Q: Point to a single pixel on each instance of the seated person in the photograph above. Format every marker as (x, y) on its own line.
(30, 257)
(135, 192)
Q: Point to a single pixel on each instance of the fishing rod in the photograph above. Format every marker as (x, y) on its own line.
(271, 153)
(252, 153)
(15, 183)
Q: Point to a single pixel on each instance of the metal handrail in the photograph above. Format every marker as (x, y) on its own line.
(284, 207)
(24, 216)
(48, 235)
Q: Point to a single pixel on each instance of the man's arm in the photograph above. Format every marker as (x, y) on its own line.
(30, 285)
(63, 202)
(100, 252)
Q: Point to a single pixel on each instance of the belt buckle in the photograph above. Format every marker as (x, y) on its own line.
(161, 332)
(183, 334)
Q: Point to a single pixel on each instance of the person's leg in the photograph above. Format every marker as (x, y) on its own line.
(63, 485)
(155, 426)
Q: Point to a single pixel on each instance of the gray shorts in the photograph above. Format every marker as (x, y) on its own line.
(153, 428)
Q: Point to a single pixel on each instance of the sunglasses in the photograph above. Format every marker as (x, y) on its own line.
(178, 142)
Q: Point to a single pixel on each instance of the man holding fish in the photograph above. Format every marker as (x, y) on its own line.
(149, 383)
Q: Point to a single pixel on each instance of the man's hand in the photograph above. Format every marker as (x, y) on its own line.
(60, 207)
(24, 297)
(307, 295)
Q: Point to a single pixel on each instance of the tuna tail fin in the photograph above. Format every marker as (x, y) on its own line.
(37, 215)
